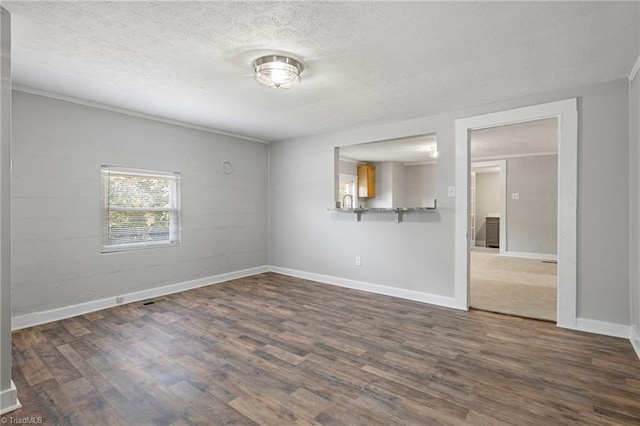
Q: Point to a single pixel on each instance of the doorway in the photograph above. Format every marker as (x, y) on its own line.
(491, 176)
(567, 115)
(512, 260)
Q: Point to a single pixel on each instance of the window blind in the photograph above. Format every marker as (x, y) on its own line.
(141, 208)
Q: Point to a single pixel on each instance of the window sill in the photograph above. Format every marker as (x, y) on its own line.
(137, 246)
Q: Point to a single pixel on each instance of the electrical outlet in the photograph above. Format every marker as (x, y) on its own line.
(119, 299)
(515, 195)
(358, 261)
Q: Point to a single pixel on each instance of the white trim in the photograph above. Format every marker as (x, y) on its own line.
(461, 216)
(634, 70)
(504, 157)
(8, 393)
(125, 111)
(36, 318)
(131, 171)
(635, 340)
(602, 327)
(433, 299)
(502, 177)
(481, 243)
(567, 114)
(526, 255)
(9, 400)
(174, 179)
(421, 163)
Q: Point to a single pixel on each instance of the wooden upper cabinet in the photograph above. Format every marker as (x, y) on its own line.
(366, 181)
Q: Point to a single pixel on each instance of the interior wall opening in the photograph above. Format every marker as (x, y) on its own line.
(566, 112)
(513, 213)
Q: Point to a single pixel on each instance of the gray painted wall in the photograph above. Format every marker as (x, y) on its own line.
(390, 182)
(59, 147)
(58, 150)
(384, 186)
(348, 167)
(398, 184)
(532, 220)
(420, 185)
(487, 201)
(307, 237)
(412, 185)
(603, 188)
(419, 253)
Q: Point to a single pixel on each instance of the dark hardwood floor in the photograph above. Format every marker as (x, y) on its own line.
(277, 350)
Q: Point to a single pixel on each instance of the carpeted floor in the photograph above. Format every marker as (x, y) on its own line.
(514, 286)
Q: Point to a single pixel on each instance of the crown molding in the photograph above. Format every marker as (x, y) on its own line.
(421, 163)
(129, 112)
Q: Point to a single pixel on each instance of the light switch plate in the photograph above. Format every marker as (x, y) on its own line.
(515, 195)
(451, 191)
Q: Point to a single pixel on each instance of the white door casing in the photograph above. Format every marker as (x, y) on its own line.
(472, 210)
(566, 113)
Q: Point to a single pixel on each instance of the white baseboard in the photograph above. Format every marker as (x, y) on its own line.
(602, 327)
(36, 318)
(433, 299)
(526, 255)
(9, 399)
(635, 340)
(481, 243)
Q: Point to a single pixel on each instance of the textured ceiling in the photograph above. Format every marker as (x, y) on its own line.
(365, 63)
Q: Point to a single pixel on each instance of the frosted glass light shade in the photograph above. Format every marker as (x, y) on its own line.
(277, 71)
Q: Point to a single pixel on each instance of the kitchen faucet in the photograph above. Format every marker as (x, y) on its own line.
(350, 201)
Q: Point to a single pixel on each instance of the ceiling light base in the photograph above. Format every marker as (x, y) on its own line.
(280, 72)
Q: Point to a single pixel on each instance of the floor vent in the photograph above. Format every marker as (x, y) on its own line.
(148, 303)
(550, 261)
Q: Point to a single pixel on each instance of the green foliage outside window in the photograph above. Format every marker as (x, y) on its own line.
(139, 209)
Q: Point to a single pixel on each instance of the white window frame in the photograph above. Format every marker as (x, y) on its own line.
(174, 209)
(354, 189)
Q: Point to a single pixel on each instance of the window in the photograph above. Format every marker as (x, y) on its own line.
(141, 208)
(347, 187)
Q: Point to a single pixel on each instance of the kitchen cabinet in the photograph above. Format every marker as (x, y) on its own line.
(492, 230)
(366, 181)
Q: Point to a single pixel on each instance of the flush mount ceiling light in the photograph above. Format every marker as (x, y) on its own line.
(277, 71)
